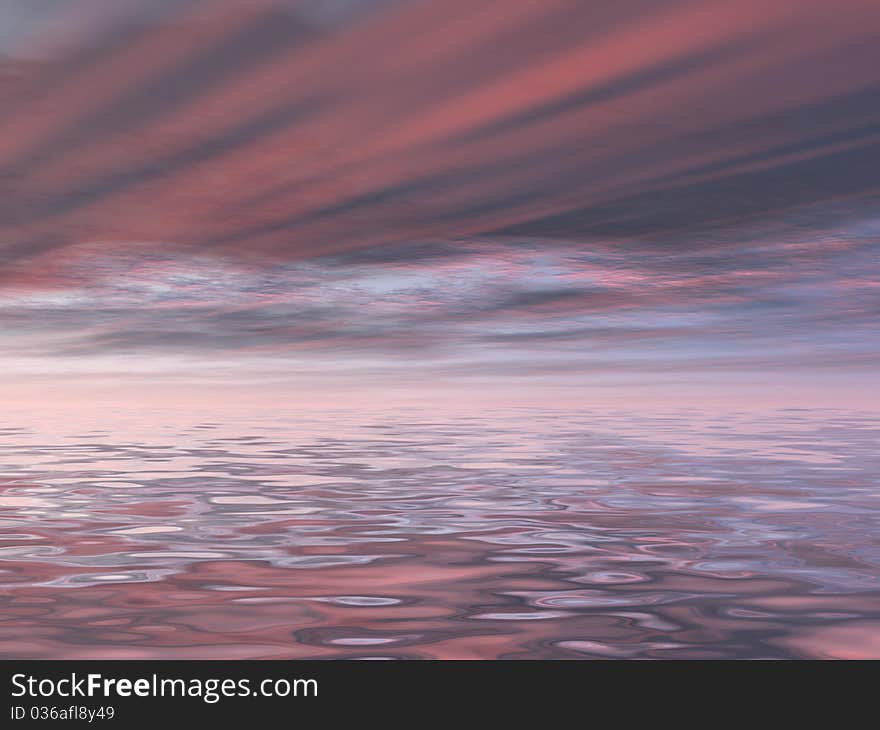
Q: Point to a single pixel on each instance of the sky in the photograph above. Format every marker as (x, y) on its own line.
(356, 201)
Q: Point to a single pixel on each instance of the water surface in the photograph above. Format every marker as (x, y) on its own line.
(495, 534)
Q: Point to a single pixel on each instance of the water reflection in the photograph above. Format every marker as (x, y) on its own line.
(516, 534)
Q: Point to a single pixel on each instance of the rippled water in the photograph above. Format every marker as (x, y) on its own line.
(501, 534)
